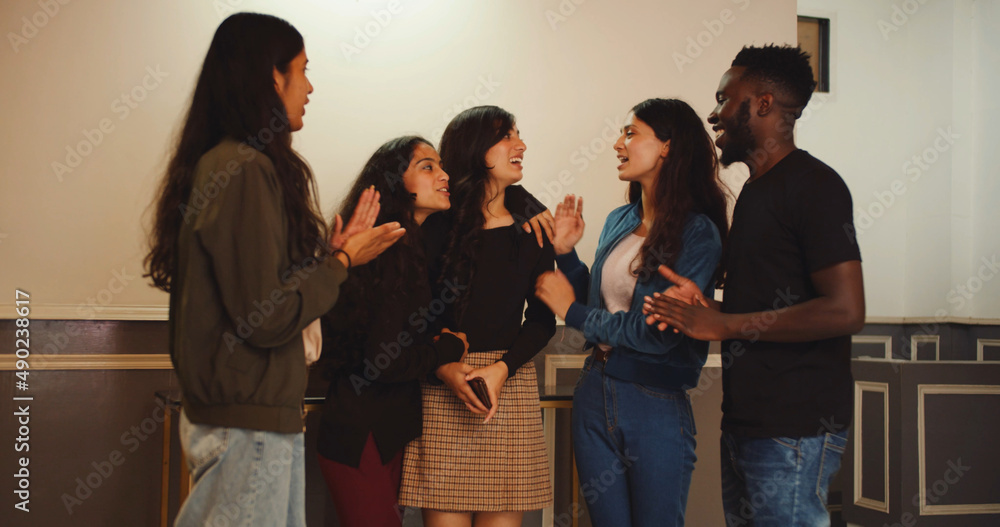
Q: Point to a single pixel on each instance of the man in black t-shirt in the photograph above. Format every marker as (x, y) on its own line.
(793, 295)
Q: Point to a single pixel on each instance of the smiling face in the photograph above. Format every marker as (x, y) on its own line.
(294, 88)
(505, 159)
(731, 118)
(426, 182)
(639, 151)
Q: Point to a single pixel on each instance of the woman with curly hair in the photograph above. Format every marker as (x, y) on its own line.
(378, 344)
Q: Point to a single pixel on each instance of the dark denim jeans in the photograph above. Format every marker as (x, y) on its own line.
(779, 481)
(634, 449)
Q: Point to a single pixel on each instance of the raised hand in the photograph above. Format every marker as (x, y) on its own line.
(542, 221)
(568, 224)
(684, 290)
(366, 245)
(365, 214)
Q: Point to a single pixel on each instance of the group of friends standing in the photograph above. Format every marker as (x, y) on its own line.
(416, 295)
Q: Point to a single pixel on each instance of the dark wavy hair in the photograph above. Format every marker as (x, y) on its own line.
(688, 183)
(464, 144)
(389, 277)
(783, 69)
(235, 98)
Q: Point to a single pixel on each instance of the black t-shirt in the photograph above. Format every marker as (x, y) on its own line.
(794, 220)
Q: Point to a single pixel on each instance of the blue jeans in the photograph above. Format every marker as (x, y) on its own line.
(242, 477)
(634, 448)
(779, 481)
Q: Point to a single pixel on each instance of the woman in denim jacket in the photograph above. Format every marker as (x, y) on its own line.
(633, 428)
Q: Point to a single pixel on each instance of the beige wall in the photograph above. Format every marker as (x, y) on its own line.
(568, 69)
(908, 124)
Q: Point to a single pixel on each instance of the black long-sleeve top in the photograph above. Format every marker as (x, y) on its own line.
(506, 268)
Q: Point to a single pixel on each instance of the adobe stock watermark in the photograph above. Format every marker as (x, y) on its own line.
(132, 439)
(554, 188)
(934, 492)
(218, 180)
(485, 87)
(264, 308)
(64, 331)
(592, 489)
(365, 34)
(420, 321)
(900, 15)
(224, 8)
(749, 505)
(697, 44)
(122, 107)
(913, 169)
(959, 295)
(227, 514)
(750, 332)
(31, 25)
(562, 12)
(96, 304)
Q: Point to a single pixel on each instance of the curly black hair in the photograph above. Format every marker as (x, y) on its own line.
(785, 70)
(390, 276)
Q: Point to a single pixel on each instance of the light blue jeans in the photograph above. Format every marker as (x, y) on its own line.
(779, 481)
(242, 477)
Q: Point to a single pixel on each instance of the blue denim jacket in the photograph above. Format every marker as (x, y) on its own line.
(642, 353)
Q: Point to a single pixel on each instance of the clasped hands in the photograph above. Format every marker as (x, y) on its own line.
(684, 307)
(456, 375)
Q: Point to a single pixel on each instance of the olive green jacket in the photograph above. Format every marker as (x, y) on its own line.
(240, 298)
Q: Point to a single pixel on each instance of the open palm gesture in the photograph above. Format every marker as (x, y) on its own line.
(568, 224)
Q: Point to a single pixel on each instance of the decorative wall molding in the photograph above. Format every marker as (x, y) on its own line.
(932, 320)
(85, 312)
(90, 361)
(916, 340)
(554, 363)
(983, 343)
(859, 499)
(927, 509)
(885, 340)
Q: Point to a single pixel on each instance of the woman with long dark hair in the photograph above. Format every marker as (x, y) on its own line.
(631, 411)
(239, 245)
(464, 469)
(382, 338)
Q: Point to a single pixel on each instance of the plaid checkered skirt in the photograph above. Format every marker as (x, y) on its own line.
(461, 465)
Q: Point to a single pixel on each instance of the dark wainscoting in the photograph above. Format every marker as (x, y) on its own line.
(81, 418)
(922, 448)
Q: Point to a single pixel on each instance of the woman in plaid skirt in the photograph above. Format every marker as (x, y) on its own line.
(485, 464)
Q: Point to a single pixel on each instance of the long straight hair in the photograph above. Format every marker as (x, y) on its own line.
(464, 144)
(688, 183)
(235, 98)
